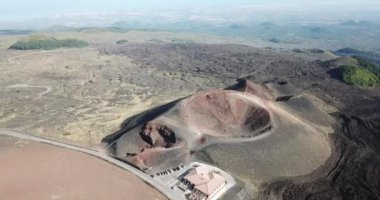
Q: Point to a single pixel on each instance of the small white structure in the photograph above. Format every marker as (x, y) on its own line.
(203, 182)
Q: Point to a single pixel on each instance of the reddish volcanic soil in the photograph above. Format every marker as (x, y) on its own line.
(226, 114)
(39, 171)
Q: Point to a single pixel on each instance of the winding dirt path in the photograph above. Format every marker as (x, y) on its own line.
(47, 88)
(12, 59)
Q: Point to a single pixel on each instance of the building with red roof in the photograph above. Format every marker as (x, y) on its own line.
(204, 182)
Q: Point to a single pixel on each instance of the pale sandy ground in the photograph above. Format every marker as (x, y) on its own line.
(82, 95)
(89, 94)
(34, 171)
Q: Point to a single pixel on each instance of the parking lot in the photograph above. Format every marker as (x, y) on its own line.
(171, 177)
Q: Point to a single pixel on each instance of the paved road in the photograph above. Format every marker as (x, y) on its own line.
(99, 154)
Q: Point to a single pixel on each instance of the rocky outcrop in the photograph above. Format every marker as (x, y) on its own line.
(157, 135)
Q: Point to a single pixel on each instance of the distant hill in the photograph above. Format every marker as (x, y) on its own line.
(47, 43)
(356, 23)
(374, 56)
(334, 63)
(15, 32)
(97, 29)
(59, 28)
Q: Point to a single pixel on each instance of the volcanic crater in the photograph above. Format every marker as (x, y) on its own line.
(224, 113)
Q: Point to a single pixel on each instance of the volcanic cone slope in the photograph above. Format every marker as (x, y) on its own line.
(244, 130)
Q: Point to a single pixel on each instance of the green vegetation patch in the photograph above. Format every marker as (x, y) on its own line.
(368, 65)
(361, 75)
(47, 43)
(357, 76)
(122, 42)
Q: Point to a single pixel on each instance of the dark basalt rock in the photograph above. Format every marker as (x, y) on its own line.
(352, 172)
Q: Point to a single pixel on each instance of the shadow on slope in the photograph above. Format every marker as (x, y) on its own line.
(138, 119)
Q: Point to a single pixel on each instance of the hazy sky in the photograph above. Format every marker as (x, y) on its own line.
(24, 9)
